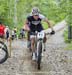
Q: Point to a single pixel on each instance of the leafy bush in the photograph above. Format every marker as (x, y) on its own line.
(55, 10)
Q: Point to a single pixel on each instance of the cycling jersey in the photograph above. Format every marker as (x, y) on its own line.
(35, 25)
(2, 28)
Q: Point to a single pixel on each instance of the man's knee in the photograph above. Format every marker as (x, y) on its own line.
(45, 39)
(32, 41)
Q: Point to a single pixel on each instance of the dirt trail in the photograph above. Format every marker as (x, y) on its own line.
(56, 60)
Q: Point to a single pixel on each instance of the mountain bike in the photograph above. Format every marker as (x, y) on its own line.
(40, 45)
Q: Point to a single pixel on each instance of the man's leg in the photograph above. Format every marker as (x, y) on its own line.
(28, 40)
(33, 48)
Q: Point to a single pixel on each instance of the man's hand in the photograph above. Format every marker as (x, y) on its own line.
(49, 24)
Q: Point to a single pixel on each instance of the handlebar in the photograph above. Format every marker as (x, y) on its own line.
(51, 33)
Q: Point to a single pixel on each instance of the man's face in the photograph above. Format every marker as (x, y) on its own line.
(36, 17)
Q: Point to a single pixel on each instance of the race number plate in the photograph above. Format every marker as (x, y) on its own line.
(40, 35)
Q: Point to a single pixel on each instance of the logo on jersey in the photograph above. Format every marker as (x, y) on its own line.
(36, 22)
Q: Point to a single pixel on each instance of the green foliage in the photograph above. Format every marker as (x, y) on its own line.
(68, 19)
(66, 36)
(54, 10)
(69, 46)
(45, 26)
(69, 12)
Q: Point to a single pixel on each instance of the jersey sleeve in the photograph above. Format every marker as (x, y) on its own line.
(42, 17)
(28, 18)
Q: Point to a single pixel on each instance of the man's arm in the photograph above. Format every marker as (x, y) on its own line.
(49, 24)
(26, 27)
(46, 20)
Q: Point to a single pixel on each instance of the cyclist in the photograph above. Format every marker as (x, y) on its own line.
(15, 32)
(22, 33)
(32, 24)
(7, 32)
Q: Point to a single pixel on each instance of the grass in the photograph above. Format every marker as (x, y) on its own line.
(66, 36)
(69, 46)
(68, 42)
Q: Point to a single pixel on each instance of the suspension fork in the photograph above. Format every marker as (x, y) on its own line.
(38, 45)
(44, 46)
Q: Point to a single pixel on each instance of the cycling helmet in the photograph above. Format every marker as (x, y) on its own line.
(35, 11)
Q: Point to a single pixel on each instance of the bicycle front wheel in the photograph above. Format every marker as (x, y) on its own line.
(39, 54)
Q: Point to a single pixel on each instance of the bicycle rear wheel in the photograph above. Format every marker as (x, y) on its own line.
(3, 52)
(39, 54)
(4, 45)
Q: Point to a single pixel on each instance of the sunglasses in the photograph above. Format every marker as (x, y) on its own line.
(36, 15)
